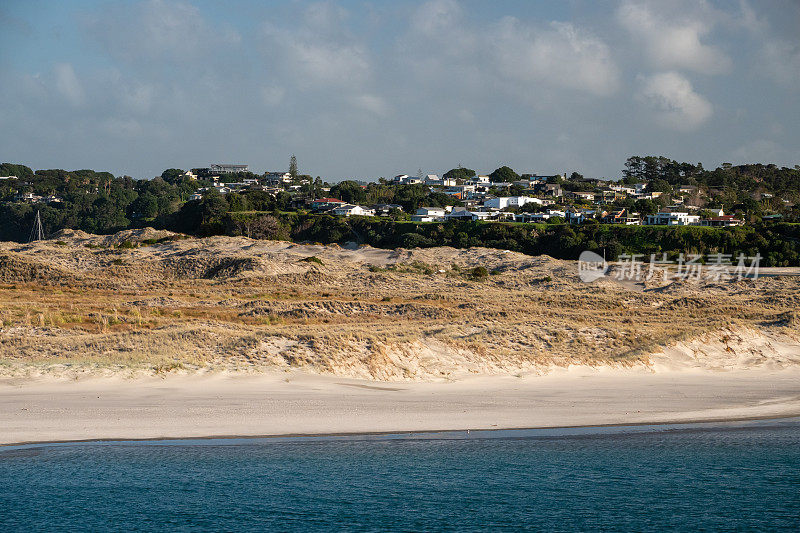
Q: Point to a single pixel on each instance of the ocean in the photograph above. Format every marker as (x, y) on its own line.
(742, 477)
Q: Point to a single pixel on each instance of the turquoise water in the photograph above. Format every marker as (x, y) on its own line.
(734, 477)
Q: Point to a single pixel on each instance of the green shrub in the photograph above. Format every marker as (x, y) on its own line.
(479, 272)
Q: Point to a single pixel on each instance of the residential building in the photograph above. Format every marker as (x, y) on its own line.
(27, 197)
(384, 209)
(531, 217)
(672, 218)
(647, 195)
(227, 168)
(462, 213)
(724, 221)
(323, 204)
(625, 189)
(622, 217)
(352, 210)
(510, 201)
(581, 195)
(435, 181)
(278, 177)
(461, 191)
(429, 214)
(405, 179)
(549, 189)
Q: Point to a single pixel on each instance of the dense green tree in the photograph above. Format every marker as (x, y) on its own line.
(145, 206)
(503, 174)
(172, 175)
(11, 169)
(645, 207)
(459, 173)
(349, 191)
(293, 167)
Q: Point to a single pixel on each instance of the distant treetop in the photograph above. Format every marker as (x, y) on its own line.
(459, 173)
(503, 174)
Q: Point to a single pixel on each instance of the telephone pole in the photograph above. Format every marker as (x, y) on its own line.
(37, 232)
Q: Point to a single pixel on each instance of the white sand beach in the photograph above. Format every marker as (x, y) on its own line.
(47, 409)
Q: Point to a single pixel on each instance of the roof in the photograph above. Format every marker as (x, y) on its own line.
(329, 200)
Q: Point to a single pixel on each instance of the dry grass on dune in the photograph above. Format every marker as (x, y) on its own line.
(149, 301)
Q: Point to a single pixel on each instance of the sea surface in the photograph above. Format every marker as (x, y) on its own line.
(731, 477)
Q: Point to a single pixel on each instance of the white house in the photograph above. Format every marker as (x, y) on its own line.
(531, 217)
(278, 177)
(462, 213)
(429, 214)
(671, 218)
(405, 179)
(351, 209)
(623, 189)
(435, 181)
(228, 168)
(510, 201)
(28, 197)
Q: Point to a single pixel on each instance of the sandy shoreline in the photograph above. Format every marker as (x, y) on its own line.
(281, 404)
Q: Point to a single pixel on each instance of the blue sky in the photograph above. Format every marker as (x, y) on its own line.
(360, 89)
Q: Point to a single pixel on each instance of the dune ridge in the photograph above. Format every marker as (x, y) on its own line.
(148, 302)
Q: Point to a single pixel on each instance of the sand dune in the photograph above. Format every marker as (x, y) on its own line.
(147, 302)
(151, 334)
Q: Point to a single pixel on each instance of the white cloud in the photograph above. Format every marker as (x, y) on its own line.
(319, 50)
(272, 95)
(68, 84)
(372, 103)
(672, 35)
(158, 30)
(320, 55)
(340, 64)
(560, 55)
(781, 59)
(438, 17)
(676, 104)
(523, 58)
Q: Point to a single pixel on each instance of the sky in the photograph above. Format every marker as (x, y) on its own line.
(362, 89)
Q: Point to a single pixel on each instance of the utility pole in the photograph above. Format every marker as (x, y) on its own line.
(37, 232)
